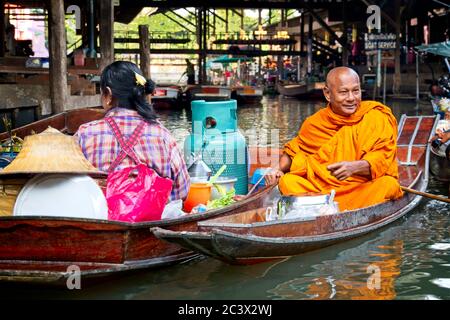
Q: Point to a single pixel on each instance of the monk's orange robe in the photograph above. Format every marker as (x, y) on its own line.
(325, 138)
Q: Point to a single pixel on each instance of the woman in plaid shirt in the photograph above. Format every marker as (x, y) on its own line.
(124, 97)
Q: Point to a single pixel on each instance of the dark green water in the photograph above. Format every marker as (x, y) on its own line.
(411, 256)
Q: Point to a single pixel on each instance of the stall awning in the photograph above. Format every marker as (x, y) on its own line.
(227, 59)
(440, 48)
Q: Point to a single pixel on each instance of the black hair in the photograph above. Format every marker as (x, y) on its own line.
(120, 77)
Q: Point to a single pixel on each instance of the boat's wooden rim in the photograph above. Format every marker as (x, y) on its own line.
(139, 225)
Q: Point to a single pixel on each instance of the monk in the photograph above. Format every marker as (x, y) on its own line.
(349, 146)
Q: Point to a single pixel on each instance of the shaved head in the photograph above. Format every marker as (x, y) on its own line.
(343, 91)
(339, 73)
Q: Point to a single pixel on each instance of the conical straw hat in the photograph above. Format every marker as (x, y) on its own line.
(50, 152)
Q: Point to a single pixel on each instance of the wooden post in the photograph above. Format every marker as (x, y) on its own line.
(144, 49)
(58, 56)
(242, 19)
(226, 23)
(200, 44)
(205, 45)
(397, 75)
(260, 47)
(106, 32)
(310, 38)
(2, 28)
(302, 32)
(345, 52)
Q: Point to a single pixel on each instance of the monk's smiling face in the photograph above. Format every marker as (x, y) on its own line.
(343, 91)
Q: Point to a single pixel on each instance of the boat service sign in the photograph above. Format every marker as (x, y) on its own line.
(381, 41)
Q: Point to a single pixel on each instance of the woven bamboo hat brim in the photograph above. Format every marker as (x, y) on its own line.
(50, 152)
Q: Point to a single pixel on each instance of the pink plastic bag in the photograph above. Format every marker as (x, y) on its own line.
(136, 198)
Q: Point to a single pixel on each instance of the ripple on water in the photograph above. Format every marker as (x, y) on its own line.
(442, 282)
(440, 246)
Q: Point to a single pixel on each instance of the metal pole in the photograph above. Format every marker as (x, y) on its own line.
(2, 29)
(417, 77)
(384, 84)
(92, 53)
(310, 36)
(378, 72)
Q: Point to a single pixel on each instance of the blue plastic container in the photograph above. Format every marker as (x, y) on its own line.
(216, 136)
(257, 175)
(6, 158)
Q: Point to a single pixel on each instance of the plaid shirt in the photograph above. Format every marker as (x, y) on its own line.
(156, 148)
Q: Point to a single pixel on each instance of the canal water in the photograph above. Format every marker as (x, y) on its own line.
(409, 259)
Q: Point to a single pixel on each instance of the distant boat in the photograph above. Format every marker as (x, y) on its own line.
(166, 97)
(246, 95)
(210, 93)
(301, 89)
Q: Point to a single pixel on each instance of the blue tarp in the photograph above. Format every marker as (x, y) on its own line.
(440, 48)
(226, 59)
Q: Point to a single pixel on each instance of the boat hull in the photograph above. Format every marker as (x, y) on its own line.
(301, 91)
(241, 245)
(40, 248)
(164, 103)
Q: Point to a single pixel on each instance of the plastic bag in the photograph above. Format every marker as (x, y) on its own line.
(136, 198)
(173, 210)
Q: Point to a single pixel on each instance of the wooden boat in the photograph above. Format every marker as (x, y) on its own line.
(247, 95)
(439, 158)
(301, 89)
(210, 93)
(40, 249)
(439, 165)
(67, 122)
(247, 237)
(166, 97)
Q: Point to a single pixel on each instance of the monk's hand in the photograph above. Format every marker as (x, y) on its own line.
(273, 176)
(345, 169)
(342, 170)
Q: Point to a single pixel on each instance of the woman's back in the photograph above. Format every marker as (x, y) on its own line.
(123, 96)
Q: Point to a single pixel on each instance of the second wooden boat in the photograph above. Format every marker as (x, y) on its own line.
(210, 93)
(247, 238)
(301, 89)
(43, 249)
(166, 97)
(248, 95)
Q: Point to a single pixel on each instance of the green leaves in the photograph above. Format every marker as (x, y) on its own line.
(224, 201)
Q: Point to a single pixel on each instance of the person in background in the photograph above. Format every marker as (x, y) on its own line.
(124, 97)
(10, 39)
(190, 72)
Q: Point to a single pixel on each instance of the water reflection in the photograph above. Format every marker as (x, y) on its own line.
(278, 116)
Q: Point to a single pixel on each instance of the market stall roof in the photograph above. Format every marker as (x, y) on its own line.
(440, 48)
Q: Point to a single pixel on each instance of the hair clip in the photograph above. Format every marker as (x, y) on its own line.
(140, 79)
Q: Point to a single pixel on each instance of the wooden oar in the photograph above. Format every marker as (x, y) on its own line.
(424, 194)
